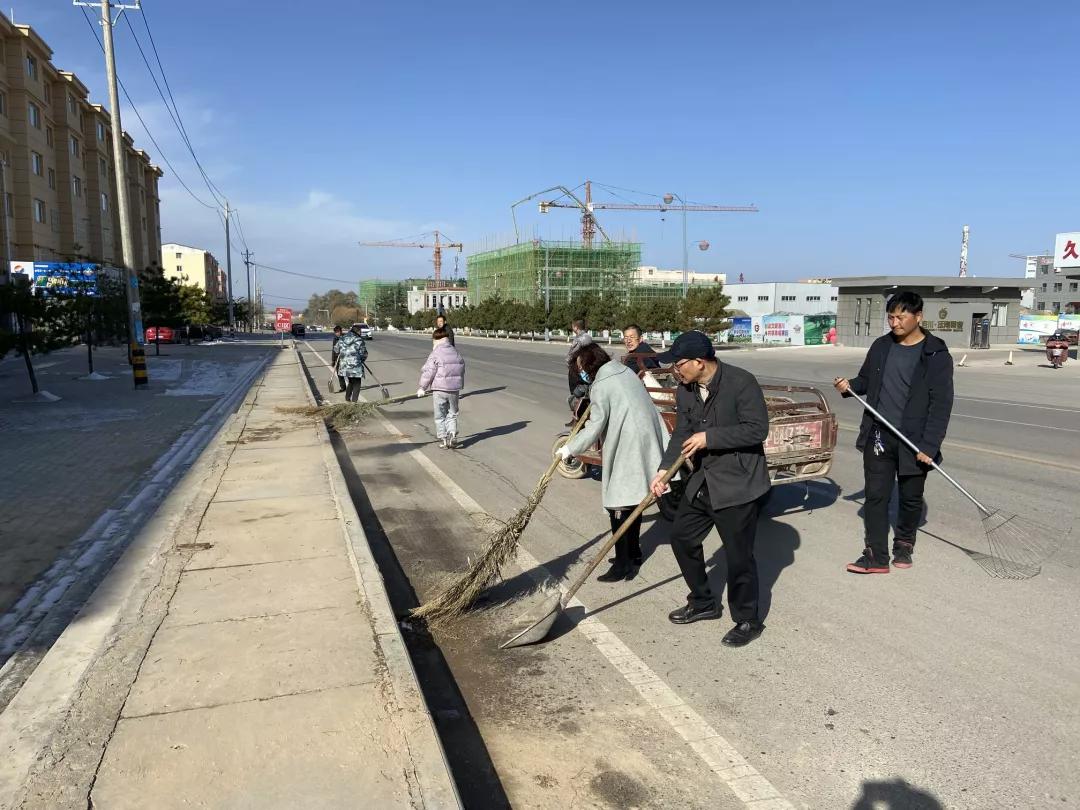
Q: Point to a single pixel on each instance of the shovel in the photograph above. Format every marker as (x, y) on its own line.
(383, 391)
(542, 618)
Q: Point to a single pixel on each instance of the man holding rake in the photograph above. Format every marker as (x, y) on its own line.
(908, 377)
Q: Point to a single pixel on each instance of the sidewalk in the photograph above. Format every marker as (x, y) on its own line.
(278, 677)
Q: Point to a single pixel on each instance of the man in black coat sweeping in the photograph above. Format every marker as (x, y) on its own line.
(908, 377)
(722, 422)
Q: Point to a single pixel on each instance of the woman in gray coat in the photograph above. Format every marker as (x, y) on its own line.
(634, 437)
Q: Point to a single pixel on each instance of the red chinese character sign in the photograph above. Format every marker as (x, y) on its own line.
(1067, 251)
(282, 319)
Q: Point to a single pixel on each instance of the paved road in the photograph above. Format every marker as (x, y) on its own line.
(935, 687)
(81, 473)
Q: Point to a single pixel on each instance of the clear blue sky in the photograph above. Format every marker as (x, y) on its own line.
(867, 135)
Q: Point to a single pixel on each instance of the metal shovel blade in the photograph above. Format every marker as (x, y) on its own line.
(539, 621)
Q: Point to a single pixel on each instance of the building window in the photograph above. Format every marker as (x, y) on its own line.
(813, 298)
(10, 204)
(48, 92)
(1072, 287)
(869, 307)
(179, 269)
(763, 298)
(833, 298)
(31, 67)
(179, 255)
(37, 164)
(73, 105)
(104, 167)
(858, 316)
(39, 211)
(787, 297)
(35, 115)
(1000, 315)
(104, 202)
(52, 179)
(49, 136)
(1056, 307)
(1057, 287)
(76, 187)
(744, 297)
(74, 146)
(1044, 286)
(3, 103)
(100, 130)
(1040, 306)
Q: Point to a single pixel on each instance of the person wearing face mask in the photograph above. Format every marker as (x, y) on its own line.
(722, 423)
(633, 434)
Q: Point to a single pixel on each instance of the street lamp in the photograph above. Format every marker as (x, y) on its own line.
(668, 199)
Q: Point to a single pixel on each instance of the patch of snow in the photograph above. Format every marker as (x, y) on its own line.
(97, 375)
(209, 378)
(164, 370)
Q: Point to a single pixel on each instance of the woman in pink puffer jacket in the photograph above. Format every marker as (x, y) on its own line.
(444, 375)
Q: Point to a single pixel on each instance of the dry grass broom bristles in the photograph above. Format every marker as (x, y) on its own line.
(452, 602)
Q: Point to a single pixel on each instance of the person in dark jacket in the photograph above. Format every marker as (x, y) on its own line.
(721, 421)
(908, 377)
(334, 353)
(440, 323)
(635, 348)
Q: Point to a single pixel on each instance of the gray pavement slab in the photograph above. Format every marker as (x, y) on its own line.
(233, 661)
(261, 756)
(231, 546)
(248, 591)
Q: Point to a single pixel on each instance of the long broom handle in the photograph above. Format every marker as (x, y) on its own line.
(915, 449)
(372, 373)
(618, 533)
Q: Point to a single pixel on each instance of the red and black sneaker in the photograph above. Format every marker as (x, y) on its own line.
(901, 553)
(866, 564)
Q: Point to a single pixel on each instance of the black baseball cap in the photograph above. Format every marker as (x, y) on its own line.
(689, 346)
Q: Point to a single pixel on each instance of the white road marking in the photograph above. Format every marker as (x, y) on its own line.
(1015, 404)
(721, 757)
(1012, 422)
(517, 396)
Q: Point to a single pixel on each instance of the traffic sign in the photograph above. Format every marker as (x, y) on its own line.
(282, 319)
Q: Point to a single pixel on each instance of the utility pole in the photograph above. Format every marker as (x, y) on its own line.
(251, 300)
(129, 272)
(228, 267)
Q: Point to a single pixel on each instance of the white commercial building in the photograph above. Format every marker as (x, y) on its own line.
(798, 298)
(655, 277)
(421, 298)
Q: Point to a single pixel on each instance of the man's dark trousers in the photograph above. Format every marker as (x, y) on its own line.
(881, 473)
(738, 528)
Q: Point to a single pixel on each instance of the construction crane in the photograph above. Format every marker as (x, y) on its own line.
(588, 218)
(437, 246)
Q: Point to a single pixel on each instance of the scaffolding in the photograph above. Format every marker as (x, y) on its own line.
(529, 271)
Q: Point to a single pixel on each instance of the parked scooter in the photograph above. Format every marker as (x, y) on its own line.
(1057, 350)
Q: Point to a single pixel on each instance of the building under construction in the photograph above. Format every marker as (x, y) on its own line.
(527, 272)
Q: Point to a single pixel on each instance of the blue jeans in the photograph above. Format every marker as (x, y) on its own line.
(445, 405)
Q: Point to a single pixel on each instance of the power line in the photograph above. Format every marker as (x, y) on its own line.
(134, 109)
(303, 275)
(177, 119)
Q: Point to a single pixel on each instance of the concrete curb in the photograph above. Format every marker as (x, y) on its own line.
(431, 769)
(31, 719)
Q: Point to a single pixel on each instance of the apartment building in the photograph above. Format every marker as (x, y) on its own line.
(192, 265)
(57, 177)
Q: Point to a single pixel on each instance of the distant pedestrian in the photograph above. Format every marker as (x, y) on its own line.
(440, 323)
(581, 338)
(908, 377)
(334, 354)
(722, 423)
(444, 375)
(352, 352)
(639, 354)
(633, 433)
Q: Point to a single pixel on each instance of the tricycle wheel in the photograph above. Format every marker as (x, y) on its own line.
(574, 468)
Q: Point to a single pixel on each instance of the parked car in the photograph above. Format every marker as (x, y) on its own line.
(161, 334)
(298, 330)
(367, 332)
